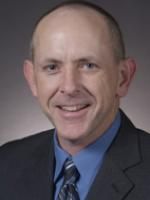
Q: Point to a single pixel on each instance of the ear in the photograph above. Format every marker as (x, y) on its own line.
(127, 70)
(29, 74)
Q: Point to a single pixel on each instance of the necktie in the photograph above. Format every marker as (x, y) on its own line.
(68, 190)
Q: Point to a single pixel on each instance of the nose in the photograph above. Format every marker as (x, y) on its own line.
(70, 82)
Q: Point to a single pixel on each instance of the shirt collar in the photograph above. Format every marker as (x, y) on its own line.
(93, 152)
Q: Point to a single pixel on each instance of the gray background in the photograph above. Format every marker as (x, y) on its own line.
(20, 114)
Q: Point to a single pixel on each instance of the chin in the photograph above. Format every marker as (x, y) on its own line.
(73, 136)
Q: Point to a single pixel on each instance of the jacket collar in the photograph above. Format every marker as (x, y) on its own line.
(111, 181)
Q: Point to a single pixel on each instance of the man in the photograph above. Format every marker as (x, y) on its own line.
(78, 71)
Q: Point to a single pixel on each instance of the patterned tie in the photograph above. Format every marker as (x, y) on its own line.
(68, 189)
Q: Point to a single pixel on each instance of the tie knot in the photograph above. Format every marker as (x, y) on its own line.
(71, 174)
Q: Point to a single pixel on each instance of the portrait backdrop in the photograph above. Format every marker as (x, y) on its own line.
(20, 114)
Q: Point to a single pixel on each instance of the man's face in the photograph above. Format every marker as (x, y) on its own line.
(75, 76)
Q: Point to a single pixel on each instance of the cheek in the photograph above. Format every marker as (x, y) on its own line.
(111, 83)
(98, 85)
(46, 87)
(103, 87)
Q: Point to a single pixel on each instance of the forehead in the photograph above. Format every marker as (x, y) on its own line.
(72, 33)
(72, 18)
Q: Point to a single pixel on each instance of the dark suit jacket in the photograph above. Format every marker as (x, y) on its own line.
(27, 168)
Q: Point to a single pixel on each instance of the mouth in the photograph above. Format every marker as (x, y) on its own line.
(73, 108)
(73, 112)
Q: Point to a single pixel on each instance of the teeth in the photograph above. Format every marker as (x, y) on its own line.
(73, 108)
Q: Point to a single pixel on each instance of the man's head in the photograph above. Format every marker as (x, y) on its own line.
(78, 72)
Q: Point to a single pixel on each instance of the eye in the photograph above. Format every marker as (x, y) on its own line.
(89, 66)
(51, 68)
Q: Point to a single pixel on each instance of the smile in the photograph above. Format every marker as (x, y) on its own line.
(73, 108)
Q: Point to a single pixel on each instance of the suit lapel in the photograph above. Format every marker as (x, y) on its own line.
(37, 178)
(111, 181)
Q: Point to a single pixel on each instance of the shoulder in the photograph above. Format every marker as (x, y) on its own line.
(128, 127)
(133, 136)
(25, 147)
(144, 142)
(22, 163)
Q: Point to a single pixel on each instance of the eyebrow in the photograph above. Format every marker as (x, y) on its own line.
(85, 59)
(50, 60)
(59, 61)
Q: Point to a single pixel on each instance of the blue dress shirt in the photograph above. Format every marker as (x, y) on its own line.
(88, 161)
